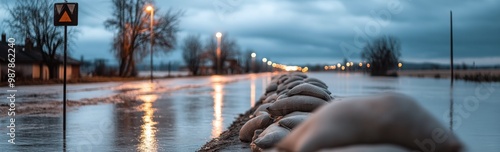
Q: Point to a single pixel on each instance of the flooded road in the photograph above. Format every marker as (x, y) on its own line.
(182, 114)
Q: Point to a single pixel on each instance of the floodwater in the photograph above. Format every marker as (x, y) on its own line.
(182, 114)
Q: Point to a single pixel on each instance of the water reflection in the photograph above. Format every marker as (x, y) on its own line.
(217, 122)
(252, 90)
(148, 141)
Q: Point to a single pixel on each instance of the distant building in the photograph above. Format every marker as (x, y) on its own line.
(30, 64)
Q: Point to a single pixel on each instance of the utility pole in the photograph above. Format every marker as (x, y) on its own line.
(451, 48)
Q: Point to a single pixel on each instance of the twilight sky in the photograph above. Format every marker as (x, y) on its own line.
(319, 31)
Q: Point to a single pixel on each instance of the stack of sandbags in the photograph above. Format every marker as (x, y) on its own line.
(288, 100)
(389, 119)
(297, 115)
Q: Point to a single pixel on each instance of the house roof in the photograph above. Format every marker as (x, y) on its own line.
(23, 55)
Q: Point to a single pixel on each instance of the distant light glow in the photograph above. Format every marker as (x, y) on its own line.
(254, 55)
(338, 65)
(149, 8)
(343, 68)
(400, 64)
(368, 65)
(264, 59)
(269, 63)
(360, 64)
(218, 35)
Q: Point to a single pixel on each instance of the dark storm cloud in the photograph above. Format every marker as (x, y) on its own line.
(311, 31)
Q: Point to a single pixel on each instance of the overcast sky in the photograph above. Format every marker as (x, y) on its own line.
(320, 31)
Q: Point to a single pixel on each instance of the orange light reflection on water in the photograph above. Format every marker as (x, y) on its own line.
(148, 141)
(218, 95)
(252, 90)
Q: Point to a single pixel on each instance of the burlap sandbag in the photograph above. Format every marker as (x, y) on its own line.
(259, 122)
(281, 88)
(290, 122)
(282, 79)
(271, 98)
(295, 103)
(293, 79)
(273, 86)
(314, 80)
(293, 84)
(282, 96)
(262, 108)
(368, 148)
(321, 85)
(271, 136)
(385, 119)
(309, 90)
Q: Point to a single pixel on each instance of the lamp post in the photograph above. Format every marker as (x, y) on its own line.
(219, 36)
(264, 60)
(253, 61)
(151, 9)
(269, 63)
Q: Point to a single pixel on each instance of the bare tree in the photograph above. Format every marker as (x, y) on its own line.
(131, 22)
(192, 50)
(34, 20)
(383, 54)
(229, 50)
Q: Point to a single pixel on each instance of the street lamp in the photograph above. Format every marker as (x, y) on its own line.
(219, 36)
(253, 55)
(268, 67)
(264, 60)
(151, 9)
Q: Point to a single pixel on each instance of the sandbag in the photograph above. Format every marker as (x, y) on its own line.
(271, 98)
(271, 136)
(314, 80)
(296, 113)
(256, 134)
(273, 86)
(282, 96)
(295, 103)
(259, 122)
(385, 119)
(309, 90)
(261, 108)
(321, 85)
(293, 84)
(293, 79)
(283, 79)
(289, 122)
(368, 148)
(280, 89)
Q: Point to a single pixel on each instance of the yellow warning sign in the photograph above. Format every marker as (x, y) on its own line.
(65, 18)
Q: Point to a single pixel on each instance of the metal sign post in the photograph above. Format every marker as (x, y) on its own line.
(65, 14)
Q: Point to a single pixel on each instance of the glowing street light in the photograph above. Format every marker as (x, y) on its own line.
(368, 65)
(219, 36)
(338, 65)
(400, 64)
(269, 63)
(253, 55)
(151, 9)
(360, 64)
(343, 68)
(264, 59)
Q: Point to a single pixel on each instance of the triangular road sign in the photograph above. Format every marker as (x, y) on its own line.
(66, 14)
(65, 18)
(59, 8)
(71, 7)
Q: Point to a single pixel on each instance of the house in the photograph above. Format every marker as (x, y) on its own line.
(30, 64)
